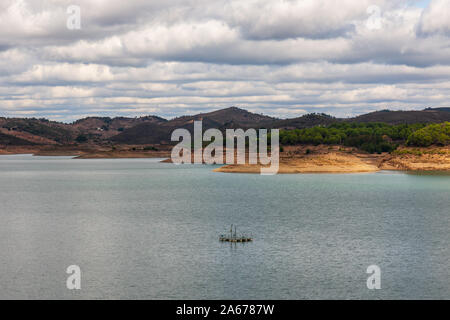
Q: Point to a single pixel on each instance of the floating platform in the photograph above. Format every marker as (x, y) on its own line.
(233, 237)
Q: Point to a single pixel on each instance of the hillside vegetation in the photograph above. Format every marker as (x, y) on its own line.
(40, 128)
(7, 140)
(374, 132)
(438, 134)
(370, 137)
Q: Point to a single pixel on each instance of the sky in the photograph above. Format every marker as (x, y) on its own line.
(283, 58)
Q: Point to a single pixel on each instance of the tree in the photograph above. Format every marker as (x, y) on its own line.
(81, 139)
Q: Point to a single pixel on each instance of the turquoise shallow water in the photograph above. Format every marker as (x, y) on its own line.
(148, 230)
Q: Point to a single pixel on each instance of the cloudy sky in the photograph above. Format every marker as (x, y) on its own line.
(172, 57)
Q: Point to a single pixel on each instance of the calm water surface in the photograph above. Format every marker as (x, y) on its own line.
(140, 229)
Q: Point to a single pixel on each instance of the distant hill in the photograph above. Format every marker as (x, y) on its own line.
(438, 109)
(103, 128)
(149, 133)
(40, 131)
(156, 130)
(8, 140)
(409, 117)
(306, 121)
(225, 118)
(96, 129)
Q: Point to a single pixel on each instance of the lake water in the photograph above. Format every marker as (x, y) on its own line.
(140, 229)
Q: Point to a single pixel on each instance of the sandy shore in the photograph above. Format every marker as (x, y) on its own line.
(323, 163)
(313, 159)
(338, 160)
(294, 159)
(418, 159)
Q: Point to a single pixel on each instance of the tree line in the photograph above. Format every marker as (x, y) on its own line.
(370, 137)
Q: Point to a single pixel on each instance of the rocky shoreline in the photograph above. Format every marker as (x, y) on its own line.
(341, 160)
(294, 159)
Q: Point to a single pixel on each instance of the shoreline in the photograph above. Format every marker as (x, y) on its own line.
(294, 160)
(333, 162)
(340, 160)
(89, 152)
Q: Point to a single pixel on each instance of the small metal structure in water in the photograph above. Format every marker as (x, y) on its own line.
(233, 237)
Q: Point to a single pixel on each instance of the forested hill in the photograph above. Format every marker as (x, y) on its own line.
(157, 130)
(373, 137)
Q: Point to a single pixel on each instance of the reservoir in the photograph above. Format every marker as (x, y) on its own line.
(140, 229)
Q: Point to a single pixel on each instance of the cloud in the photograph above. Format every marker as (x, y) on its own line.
(278, 20)
(171, 57)
(51, 74)
(435, 19)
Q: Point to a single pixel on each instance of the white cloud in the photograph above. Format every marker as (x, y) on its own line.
(435, 19)
(265, 19)
(41, 74)
(172, 57)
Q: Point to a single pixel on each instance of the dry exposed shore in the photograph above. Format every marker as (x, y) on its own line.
(330, 163)
(302, 159)
(124, 155)
(91, 152)
(344, 160)
(310, 159)
(418, 159)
